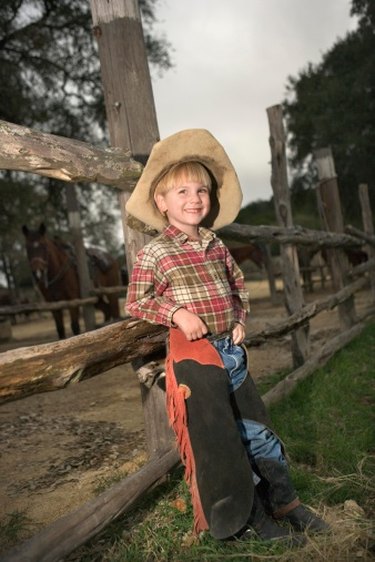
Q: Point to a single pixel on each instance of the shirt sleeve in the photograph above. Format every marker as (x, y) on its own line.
(240, 295)
(145, 291)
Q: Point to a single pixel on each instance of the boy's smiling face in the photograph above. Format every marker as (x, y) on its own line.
(186, 205)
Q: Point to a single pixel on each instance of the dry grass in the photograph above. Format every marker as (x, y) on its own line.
(351, 539)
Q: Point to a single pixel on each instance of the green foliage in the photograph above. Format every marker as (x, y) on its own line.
(49, 66)
(18, 200)
(304, 209)
(365, 10)
(333, 104)
(257, 213)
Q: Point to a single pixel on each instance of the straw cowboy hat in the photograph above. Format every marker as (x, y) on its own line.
(188, 145)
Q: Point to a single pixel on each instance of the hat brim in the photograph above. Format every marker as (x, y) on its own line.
(188, 145)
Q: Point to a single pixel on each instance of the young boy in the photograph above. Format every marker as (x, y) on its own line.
(186, 279)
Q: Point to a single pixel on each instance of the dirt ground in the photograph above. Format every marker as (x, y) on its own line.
(58, 448)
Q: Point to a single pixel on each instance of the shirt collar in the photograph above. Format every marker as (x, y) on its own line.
(173, 232)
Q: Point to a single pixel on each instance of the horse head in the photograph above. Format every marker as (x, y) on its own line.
(37, 252)
(251, 252)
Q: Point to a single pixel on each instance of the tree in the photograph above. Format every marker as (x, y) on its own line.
(333, 104)
(365, 11)
(49, 66)
(50, 80)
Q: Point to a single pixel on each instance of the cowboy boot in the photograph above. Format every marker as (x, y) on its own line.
(302, 518)
(261, 526)
(282, 499)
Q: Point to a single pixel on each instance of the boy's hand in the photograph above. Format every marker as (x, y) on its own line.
(238, 334)
(190, 324)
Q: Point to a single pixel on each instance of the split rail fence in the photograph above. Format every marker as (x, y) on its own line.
(53, 366)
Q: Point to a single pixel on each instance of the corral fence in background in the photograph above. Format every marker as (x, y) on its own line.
(52, 366)
(42, 306)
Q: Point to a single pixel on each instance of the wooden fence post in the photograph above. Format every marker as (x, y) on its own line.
(368, 228)
(270, 273)
(290, 267)
(331, 215)
(85, 283)
(132, 125)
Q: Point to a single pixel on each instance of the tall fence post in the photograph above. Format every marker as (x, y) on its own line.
(289, 259)
(368, 228)
(132, 125)
(331, 215)
(85, 283)
(270, 273)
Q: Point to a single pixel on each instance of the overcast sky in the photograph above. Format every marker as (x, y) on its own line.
(232, 60)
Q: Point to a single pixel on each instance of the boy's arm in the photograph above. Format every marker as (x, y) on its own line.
(240, 294)
(145, 299)
(145, 292)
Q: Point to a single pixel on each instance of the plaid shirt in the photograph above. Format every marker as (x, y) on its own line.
(173, 271)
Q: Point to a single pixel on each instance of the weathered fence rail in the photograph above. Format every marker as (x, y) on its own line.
(295, 235)
(44, 368)
(52, 366)
(28, 150)
(11, 310)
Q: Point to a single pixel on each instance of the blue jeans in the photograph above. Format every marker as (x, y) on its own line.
(259, 440)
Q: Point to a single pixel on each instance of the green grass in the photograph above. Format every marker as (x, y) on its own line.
(14, 526)
(159, 531)
(327, 425)
(266, 383)
(329, 422)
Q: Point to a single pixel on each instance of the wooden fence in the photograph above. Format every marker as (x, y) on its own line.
(42, 306)
(42, 368)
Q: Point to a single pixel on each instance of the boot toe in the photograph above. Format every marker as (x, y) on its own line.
(302, 519)
(270, 531)
(273, 532)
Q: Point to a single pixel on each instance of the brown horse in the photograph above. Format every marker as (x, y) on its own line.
(53, 266)
(355, 257)
(249, 252)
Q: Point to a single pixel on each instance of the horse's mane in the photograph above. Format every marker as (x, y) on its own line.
(64, 246)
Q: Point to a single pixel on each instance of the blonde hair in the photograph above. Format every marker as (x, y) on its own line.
(189, 171)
